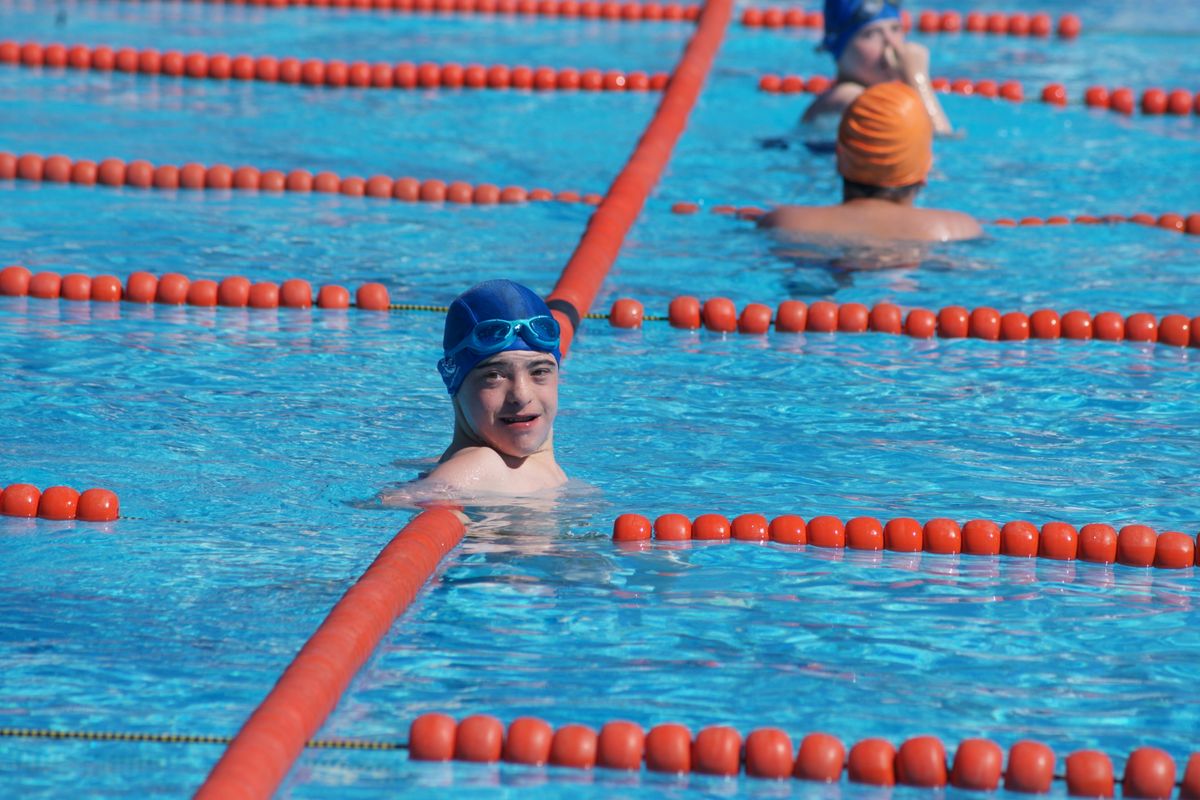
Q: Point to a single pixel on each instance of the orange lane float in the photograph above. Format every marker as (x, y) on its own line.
(141, 174)
(1153, 101)
(719, 315)
(796, 84)
(567, 9)
(600, 244)
(175, 289)
(329, 74)
(1039, 24)
(1171, 221)
(769, 753)
(59, 502)
(262, 752)
(777, 17)
(1123, 100)
(997, 23)
(1132, 545)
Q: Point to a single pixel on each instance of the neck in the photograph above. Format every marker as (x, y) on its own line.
(905, 199)
(464, 437)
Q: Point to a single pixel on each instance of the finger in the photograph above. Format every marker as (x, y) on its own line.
(891, 57)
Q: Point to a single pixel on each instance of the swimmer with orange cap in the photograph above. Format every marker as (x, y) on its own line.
(866, 38)
(884, 152)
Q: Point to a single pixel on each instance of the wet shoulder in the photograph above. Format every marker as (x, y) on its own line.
(468, 467)
(793, 218)
(955, 225)
(832, 102)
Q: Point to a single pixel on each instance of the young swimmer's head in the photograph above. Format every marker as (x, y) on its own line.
(864, 37)
(885, 139)
(500, 364)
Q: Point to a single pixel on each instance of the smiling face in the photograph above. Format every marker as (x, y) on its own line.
(509, 401)
(872, 56)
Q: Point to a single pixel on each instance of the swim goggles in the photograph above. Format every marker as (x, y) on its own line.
(493, 335)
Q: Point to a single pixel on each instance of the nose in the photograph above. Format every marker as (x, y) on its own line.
(520, 391)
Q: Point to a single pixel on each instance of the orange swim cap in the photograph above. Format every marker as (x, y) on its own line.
(886, 137)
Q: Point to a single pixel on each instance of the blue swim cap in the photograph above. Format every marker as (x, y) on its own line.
(490, 300)
(845, 18)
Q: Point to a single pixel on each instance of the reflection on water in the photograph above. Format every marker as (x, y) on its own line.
(822, 266)
(540, 516)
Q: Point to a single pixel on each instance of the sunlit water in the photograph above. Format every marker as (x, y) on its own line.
(248, 447)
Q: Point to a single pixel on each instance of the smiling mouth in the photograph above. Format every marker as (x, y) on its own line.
(517, 420)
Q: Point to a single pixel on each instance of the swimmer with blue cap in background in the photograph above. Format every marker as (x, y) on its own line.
(866, 38)
(500, 365)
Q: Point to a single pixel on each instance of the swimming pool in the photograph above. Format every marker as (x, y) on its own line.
(248, 445)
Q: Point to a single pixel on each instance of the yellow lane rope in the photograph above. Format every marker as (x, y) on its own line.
(183, 738)
(416, 307)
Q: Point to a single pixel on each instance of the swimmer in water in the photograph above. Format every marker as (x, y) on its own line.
(884, 151)
(500, 367)
(866, 38)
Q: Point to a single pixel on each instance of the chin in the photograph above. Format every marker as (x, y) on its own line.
(517, 447)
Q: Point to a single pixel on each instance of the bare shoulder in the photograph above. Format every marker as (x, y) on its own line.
(469, 467)
(788, 217)
(956, 225)
(937, 224)
(832, 101)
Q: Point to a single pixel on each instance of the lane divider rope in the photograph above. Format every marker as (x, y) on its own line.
(816, 84)
(999, 23)
(1132, 545)
(183, 738)
(59, 503)
(1171, 221)
(235, 292)
(717, 314)
(1154, 101)
(316, 72)
(1124, 100)
(920, 761)
(978, 764)
(262, 752)
(1039, 24)
(720, 315)
(601, 242)
(176, 289)
(141, 174)
(585, 9)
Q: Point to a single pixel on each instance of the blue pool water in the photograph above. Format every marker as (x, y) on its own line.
(248, 448)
